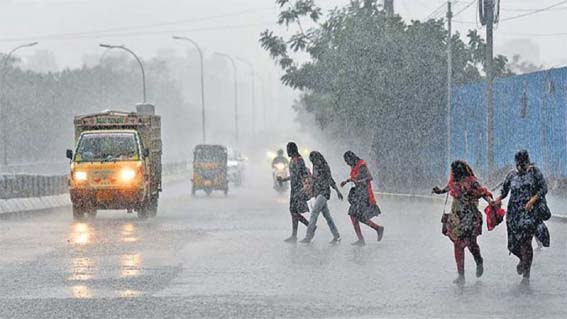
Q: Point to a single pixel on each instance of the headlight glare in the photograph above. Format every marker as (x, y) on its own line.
(80, 176)
(127, 175)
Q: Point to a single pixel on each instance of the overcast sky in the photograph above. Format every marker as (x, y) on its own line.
(73, 28)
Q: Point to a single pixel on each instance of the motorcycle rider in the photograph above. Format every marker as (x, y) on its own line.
(280, 159)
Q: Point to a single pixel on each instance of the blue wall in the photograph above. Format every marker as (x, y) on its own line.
(543, 131)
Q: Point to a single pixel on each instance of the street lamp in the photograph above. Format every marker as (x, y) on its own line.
(5, 61)
(121, 47)
(235, 92)
(253, 83)
(202, 82)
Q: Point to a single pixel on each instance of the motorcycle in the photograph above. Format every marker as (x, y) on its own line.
(280, 170)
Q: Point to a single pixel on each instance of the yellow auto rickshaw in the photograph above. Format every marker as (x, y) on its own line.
(210, 169)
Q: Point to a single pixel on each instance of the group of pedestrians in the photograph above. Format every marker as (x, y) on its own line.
(317, 184)
(525, 185)
(463, 224)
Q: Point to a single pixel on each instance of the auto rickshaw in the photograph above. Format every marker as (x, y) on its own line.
(210, 169)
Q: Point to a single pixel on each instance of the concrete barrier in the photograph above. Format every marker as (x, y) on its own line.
(23, 193)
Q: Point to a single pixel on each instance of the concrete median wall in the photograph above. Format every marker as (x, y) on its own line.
(20, 193)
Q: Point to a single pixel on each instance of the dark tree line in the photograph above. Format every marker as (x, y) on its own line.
(38, 108)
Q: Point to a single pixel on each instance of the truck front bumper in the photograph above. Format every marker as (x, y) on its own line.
(116, 198)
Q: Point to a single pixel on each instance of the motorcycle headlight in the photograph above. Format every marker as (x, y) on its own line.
(280, 166)
(80, 176)
(127, 175)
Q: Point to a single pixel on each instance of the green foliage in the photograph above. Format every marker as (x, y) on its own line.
(377, 80)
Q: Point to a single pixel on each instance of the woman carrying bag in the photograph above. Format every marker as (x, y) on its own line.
(464, 223)
(527, 208)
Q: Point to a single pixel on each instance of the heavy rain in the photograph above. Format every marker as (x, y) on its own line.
(283, 159)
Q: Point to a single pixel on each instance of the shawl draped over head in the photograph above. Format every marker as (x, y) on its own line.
(355, 172)
(467, 186)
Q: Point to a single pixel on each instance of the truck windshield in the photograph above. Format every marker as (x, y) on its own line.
(94, 147)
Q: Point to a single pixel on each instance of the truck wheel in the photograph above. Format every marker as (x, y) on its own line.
(78, 213)
(153, 207)
(143, 213)
(91, 214)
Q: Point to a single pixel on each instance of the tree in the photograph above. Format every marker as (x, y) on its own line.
(377, 81)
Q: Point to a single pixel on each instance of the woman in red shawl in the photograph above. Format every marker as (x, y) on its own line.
(361, 198)
(464, 223)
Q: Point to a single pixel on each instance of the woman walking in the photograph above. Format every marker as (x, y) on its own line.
(321, 190)
(297, 198)
(361, 198)
(527, 188)
(464, 223)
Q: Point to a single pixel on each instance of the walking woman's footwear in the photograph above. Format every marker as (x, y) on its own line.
(520, 268)
(335, 241)
(479, 269)
(460, 280)
(525, 281)
(359, 243)
(305, 240)
(380, 232)
(291, 239)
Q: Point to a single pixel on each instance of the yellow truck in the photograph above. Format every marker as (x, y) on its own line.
(116, 163)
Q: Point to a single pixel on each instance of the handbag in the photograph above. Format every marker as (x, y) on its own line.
(494, 216)
(541, 210)
(445, 218)
(542, 234)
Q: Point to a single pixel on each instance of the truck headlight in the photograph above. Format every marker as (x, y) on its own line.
(80, 176)
(127, 175)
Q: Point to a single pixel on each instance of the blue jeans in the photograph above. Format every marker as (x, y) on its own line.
(321, 206)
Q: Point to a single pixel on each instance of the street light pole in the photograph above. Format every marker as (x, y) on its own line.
(202, 83)
(253, 83)
(5, 61)
(449, 80)
(121, 47)
(231, 59)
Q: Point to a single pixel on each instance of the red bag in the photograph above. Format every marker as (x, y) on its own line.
(494, 216)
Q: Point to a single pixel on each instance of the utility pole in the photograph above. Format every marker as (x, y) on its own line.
(389, 7)
(488, 17)
(449, 81)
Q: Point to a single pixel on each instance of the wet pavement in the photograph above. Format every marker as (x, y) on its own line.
(224, 257)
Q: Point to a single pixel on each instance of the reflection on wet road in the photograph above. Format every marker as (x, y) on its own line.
(224, 257)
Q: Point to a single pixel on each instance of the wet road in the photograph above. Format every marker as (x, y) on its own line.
(224, 257)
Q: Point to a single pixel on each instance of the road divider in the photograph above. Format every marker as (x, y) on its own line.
(25, 193)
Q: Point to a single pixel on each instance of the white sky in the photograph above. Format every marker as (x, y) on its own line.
(234, 30)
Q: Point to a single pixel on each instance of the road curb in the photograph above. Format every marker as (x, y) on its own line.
(555, 217)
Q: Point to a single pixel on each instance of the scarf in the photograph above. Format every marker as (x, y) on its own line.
(355, 172)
